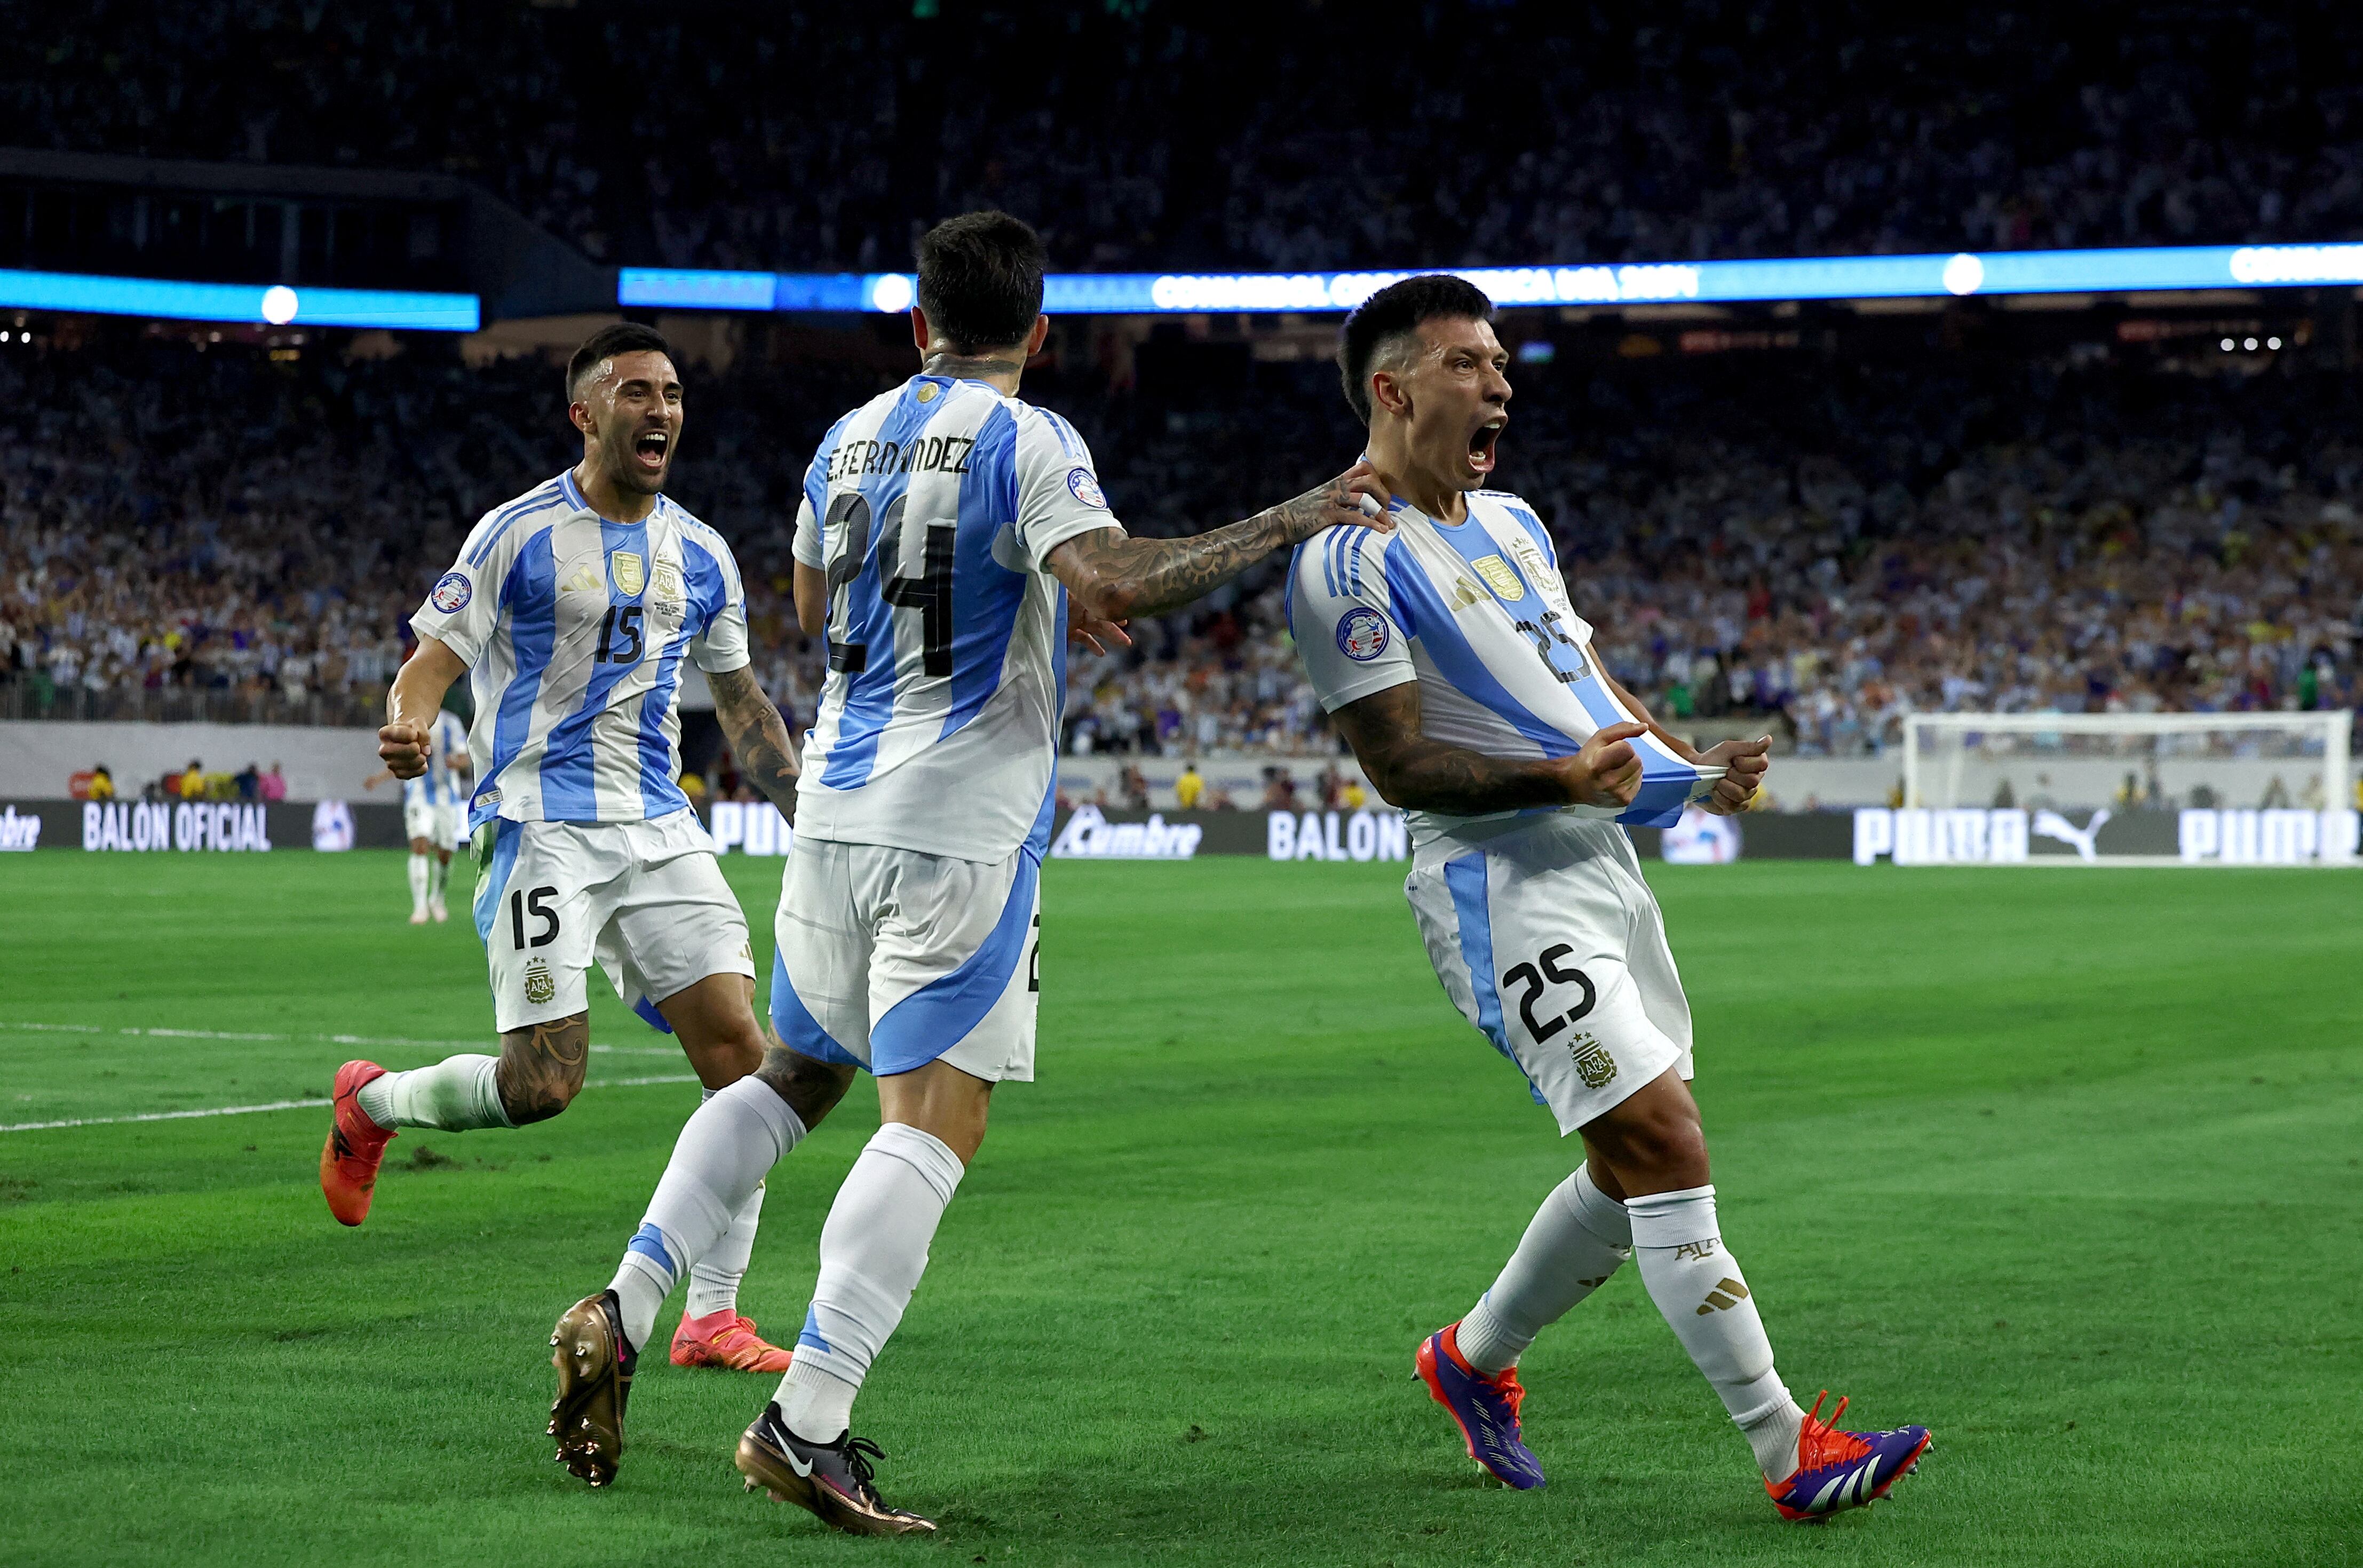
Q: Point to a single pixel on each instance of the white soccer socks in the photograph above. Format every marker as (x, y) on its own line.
(724, 1150)
(714, 1278)
(418, 877)
(1578, 1238)
(873, 1251)
(438, 872)
(458, 1094)
(1704, 1298)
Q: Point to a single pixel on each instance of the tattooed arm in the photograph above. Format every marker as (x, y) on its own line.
(758, 736)
(1114, 577)
(1418, 774)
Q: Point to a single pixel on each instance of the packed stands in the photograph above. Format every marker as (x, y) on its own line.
(1150, 137)
(221, 531)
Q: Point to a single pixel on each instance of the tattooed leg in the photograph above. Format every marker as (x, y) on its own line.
(542, 1068)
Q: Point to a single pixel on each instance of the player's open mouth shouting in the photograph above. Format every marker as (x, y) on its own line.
(651, 449)
(1482, 439)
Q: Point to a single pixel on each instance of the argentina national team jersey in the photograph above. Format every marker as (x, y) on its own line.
(1478, 615)
(932, 509)
(574, 627)
(439, 786)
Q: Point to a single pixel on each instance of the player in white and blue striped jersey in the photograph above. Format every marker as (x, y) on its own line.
(1447, 653)
(572, 609)
(434, 804)
(951, 536)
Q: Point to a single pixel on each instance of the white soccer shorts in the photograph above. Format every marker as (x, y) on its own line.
(438, 825)
(1550, 943)
(644, 899)
(889, 959)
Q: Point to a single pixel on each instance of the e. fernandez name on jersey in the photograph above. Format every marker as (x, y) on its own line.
(928, 454)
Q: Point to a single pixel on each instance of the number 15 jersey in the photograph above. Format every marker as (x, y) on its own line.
(932, 509)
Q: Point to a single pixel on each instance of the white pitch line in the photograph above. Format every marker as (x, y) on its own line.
(289, 1105)
(326, 1039)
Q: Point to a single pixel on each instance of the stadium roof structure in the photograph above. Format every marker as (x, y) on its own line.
(274, 304)
(2150, 268)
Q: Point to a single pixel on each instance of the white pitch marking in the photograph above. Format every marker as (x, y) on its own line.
(329, 1039)
(289, 1105)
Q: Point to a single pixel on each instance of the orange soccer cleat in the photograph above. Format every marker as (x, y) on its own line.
(349, 1160)
(727, 1340)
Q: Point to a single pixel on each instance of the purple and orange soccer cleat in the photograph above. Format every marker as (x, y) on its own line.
(1839, 1470)
(355, 1145)
(1486, 1409)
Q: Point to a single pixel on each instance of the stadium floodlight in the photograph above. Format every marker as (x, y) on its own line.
(2146, 268)
(249, 304)
(2257, 788)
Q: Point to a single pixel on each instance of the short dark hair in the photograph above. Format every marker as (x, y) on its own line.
(981, 279)
(1394, 311)
(623, 337)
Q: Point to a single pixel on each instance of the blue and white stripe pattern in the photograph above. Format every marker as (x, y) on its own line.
(574, 627)
(439, 786)
(1478, 615)
(933, 510)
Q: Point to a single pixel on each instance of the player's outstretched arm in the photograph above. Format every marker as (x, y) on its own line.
(1417, 774)
(1114, 577)
(758, 736)
(407, 738)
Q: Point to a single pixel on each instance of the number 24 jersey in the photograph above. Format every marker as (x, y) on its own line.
(932, 510)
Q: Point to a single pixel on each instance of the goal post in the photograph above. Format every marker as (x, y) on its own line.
(2223, 759)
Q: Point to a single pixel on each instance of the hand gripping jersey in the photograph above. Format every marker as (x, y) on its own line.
(439, 785)
(1478, 615)
(932, 509)
(573, 627)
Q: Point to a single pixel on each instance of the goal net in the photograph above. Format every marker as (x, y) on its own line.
(2181, 787)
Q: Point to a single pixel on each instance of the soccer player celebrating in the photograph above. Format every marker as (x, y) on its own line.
(572, 608)
(430, 815)
(945, 525)
(1447, 653)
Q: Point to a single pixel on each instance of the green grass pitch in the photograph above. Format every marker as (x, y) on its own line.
(2062, 1163)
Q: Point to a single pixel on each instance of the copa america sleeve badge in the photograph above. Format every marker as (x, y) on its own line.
(1086, 488)
(1362, 633)
(452, 593)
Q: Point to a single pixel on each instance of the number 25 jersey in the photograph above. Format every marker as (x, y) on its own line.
(932, 509)
(1478, 615)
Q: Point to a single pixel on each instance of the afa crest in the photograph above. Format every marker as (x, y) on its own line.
(665, 582)
(1504, 580)
(1594, 1064)
(541, 985)
(631, 573)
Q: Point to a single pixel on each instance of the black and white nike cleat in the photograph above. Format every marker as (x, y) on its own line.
(833, 1480)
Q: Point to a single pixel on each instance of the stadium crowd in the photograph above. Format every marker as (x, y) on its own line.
(1387, 135)
(1828, 545)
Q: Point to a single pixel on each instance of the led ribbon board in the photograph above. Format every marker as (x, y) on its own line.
(249, 304)
(2156, 268)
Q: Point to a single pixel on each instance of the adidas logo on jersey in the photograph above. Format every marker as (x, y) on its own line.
(1466, 593)
(584, 580)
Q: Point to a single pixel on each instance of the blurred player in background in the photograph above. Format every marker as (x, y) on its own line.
(944, 525)
(1447, 654)
(573, 607)
(432, 806)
